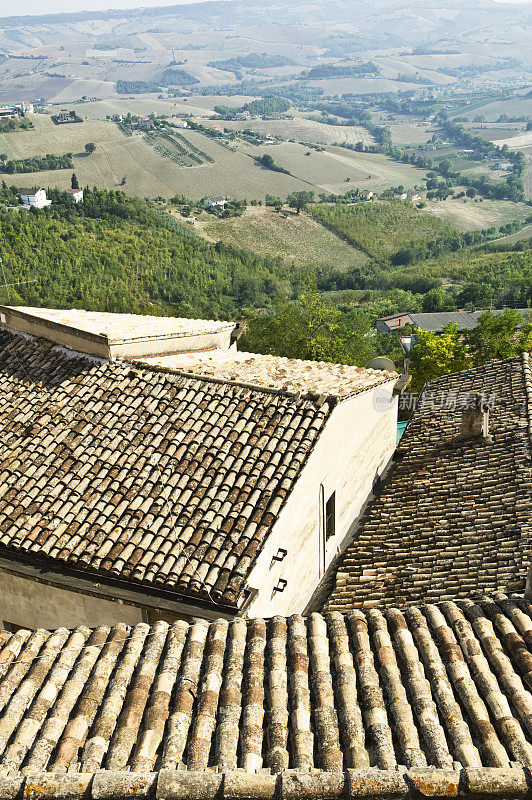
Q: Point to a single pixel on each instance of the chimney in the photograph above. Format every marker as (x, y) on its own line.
(475, 420)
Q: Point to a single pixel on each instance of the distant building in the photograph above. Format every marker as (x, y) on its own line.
(506, 166)
(437, 320)
(180, 123)
(63, 116)
(16, 110)
(76, 195)
(6, 112)
(218, 128)
(215, 202)
(243, 115)
(35, 198)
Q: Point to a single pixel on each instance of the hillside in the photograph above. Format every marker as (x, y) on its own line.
(381, 229)
(114, 253)
(294, 238)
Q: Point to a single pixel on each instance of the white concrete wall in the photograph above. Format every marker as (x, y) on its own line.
(353, 450)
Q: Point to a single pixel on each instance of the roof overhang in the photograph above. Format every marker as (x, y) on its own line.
(111, 587)
(291, 784)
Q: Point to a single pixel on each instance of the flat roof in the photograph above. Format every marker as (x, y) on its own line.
(109, 335)
(274, 372)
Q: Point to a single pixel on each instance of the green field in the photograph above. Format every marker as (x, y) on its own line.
(470, 215)
(380, 229)
(291, 237)
(164, 170)
(375, 171)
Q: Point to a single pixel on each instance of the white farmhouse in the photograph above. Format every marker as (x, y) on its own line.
(215, 202)
(35, 198)
(76, 195)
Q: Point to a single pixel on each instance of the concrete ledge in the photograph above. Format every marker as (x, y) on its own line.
(492, 783)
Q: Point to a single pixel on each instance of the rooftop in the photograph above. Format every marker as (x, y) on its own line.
(142, 475)
(431, 701)
(452, 517)
(276, 373)
(464, 320)
(115, 335)
(437, 320)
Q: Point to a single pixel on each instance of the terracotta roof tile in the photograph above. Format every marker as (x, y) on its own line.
(274, 372)
(452, 517)
(441, 691)
(159, 478)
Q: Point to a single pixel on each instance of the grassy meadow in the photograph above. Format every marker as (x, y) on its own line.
(289, 236)
(380, 229)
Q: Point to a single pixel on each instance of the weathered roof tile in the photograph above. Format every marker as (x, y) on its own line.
(427, 689)
(99, 457)
(453, 517)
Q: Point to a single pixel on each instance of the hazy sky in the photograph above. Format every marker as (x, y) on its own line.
(9, 8)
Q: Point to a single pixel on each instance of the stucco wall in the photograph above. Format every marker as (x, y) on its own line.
(352, 451)
(33, 604)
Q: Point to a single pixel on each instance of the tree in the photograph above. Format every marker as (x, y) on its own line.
(90, 147)
(300, 200)
(74, 181)
(471, 192)
(311, 329)
(478, 295)
(273, 201)
(499, 336)
(436, 299)
(436, 354)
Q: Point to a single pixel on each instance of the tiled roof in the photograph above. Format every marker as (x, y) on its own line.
(429, 701)
(153, 477)
(274, 372)
(452, 517)
(465, 320)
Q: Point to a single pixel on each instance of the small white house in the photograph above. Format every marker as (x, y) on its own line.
(180, 123)
(76, 195)
(215, 202)
(35, 198)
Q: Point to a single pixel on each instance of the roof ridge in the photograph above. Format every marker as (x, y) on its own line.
(228, 382)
